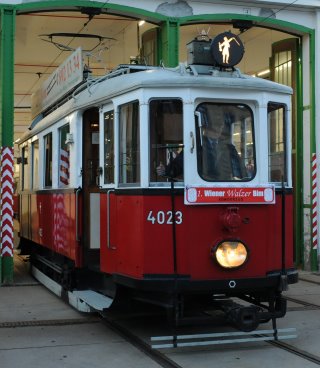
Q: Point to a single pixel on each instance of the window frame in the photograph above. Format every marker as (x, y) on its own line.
(47, 174)
(35, 184)
(166, 181)
(285, 152)
(60, 183)
(109, 110)
(254, 122)
(25, 167)
(121, 181)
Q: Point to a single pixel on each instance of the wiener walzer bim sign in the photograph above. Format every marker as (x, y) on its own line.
(230, 195)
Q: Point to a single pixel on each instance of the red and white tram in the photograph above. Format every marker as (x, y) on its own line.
(167, 185)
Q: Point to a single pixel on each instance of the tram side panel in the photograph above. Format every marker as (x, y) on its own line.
(49, 220)
(35, 218)
(141, 241)
(279, 231)
(122, 250)
(25, 215)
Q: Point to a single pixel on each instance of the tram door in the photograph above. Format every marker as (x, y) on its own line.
(90, 188)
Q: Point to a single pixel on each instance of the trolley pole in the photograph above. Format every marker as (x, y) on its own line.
(7, 22)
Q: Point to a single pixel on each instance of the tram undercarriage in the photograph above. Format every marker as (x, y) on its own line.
(184, 302)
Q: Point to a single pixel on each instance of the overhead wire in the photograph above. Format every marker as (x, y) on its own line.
(272, 15)
(102, 7)
(59, 54)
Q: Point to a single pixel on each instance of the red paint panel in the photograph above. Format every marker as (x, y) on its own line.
(45, 210)
(142, 236)
(24, 215)
(35, 221)
(53, 223)
(108, 249)
(130, 244)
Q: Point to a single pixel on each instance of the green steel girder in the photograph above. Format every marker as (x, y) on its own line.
(7, 32)
(170, 42)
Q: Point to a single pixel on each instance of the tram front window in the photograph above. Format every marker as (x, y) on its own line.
(225, 144)
(166, 137)
(277, 143)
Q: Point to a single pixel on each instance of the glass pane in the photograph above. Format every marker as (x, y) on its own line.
(129, 143)
(25, 168)
(35, 164)
(283, 64)
(276, 136)
(48, 160)
(225, 144)
(64, 157)
(166, 132)
(108, 147)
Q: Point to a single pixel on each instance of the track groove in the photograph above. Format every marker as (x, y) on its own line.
(56, 322)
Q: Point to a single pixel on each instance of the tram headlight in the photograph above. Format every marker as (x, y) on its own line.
(231, 254)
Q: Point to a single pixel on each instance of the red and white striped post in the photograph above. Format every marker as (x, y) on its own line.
(314, 203)
(6, 205)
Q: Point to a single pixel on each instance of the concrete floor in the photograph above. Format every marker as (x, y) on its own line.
(72, 339)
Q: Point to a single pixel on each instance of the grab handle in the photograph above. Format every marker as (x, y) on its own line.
(109, 246)
(78, 190)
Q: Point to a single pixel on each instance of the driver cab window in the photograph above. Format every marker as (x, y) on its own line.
(225, 143)
(166, 140)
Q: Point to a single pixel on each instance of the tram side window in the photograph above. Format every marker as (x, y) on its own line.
(129, 143)
(25, 168)
(225, 142)
(109, 147)
(64, 157)
(48, 160)
(277, 145)
(35, 164)
(166, 140)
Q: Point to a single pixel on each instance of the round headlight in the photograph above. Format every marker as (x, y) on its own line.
(231, 254)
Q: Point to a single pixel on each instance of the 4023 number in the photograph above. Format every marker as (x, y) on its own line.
(164, 217)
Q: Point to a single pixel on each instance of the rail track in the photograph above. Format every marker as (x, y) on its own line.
(119, 326)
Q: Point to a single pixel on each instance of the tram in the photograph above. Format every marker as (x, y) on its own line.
(165, 185)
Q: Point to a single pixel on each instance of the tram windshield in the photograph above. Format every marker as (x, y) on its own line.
(225, 143)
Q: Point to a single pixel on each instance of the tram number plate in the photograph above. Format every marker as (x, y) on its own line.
(164, 217)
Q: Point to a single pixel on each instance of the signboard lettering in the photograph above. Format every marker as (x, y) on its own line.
(230, 195)
(61, 81)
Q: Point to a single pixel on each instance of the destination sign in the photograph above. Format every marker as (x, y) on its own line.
(60, 82)
(230, 195)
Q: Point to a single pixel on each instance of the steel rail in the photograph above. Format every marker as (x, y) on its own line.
(296, 351)
(302, 302)
(141, 345)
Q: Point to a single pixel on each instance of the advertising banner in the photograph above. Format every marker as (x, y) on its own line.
(60, 82)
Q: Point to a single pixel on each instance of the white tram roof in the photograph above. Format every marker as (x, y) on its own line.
(128, 78)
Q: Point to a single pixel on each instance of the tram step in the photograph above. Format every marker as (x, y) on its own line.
(95, 300)
(86, 301)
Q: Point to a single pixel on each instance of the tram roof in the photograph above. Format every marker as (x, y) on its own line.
(128, 78)
(177, 78)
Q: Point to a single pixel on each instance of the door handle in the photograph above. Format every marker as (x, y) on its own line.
(98, 174)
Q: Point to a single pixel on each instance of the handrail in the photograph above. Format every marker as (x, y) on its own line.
(108, 219)
(78, 190)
